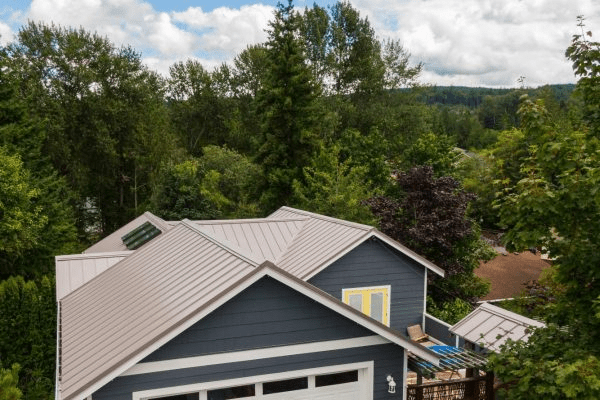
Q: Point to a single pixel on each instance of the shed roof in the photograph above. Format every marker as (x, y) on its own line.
(491, 326)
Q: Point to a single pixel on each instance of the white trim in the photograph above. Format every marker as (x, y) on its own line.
(405, 375)
(389, 293)
(336, 257)
(57, 381)
(165, 339)
(447, 325)
(424, 300)
(87, 256)
(405, 250)
(257, 354)
(367, 366)
(303, 288)
(357, 317)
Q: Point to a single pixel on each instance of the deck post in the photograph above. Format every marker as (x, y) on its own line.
(489, 386)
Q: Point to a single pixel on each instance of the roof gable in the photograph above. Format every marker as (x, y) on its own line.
(102, 360)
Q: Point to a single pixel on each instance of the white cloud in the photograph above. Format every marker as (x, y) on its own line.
(125, 22)
(229, 30)
(6, 34)
(484, 42)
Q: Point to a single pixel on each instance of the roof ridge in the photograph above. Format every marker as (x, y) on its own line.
(326, 218)
(509, 314)
(157, 220)
(225, 244)
(246, 220)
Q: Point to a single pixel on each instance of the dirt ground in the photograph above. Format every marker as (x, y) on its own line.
(509, 273)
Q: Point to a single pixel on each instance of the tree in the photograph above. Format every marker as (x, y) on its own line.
(555, 205)
(104, 118)
(9, 379)
(28, 334)
(220, 184)
(23, 137)
(287, 104)
(428, 215)
(335, 188)
(21, 218)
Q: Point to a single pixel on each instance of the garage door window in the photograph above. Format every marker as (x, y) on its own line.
(238, 392)
(336, 379)
(285, 386)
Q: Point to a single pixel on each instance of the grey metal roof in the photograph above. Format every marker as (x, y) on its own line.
(160, 285)
(267, 238)
(491, 326)
(145, 295)
(75, 270)
(113, 242)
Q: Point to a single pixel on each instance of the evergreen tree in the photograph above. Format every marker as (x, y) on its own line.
(287, 104)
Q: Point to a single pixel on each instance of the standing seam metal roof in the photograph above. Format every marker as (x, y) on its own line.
(167, 279)
(492, 326)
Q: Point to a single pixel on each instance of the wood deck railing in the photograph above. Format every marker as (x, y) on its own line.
(478, 388)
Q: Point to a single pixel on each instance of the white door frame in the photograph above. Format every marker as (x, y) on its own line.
(365, 377)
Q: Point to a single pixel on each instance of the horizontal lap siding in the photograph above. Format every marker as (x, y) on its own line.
(388, 359)
(375, 264)
(266, 314)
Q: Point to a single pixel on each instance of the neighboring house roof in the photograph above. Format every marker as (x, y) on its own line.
(509, 273)
(162, 289)
(491, 326)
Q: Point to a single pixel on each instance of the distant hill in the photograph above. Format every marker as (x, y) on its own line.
(473, 96)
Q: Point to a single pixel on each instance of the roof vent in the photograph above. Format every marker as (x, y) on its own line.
(140, 235)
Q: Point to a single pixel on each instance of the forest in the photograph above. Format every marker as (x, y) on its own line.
(324, 116)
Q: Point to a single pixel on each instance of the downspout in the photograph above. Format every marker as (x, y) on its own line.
(56, 391)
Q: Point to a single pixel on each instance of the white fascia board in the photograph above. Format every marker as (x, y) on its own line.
(369, 366)
(226, 295)
(89, 256)
(254, 354)
(411, 254)
(354, 315)
(229, 293)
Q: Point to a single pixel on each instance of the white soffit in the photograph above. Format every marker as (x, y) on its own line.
(492, 326)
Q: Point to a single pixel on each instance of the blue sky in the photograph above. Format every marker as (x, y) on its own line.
(461, 42)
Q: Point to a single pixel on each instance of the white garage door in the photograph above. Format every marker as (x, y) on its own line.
(348, 382)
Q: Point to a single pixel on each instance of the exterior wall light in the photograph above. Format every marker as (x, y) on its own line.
(391, 384)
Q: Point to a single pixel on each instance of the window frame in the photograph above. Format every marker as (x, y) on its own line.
(387, 293)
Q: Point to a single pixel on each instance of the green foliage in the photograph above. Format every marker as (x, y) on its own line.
(291, 118)
(335, 188)
(28, 333)
(436, 151)
(451, 311)
(9, 378)
(428, 215)
(585, 55)
(551, 199)
(551, 365)
(220, 184)
(21, 219)
(104, 118)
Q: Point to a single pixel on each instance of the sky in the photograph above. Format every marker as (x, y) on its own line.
(487, 43)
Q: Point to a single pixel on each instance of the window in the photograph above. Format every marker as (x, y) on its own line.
(373, 301)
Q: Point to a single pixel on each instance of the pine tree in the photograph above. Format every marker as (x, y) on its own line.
(287, 104)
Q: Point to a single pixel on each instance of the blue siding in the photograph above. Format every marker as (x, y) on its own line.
(373, 263)
(439, 331)
(266, 314)
(388, 359)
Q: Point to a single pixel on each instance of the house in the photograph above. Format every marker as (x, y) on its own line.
(293, 306)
